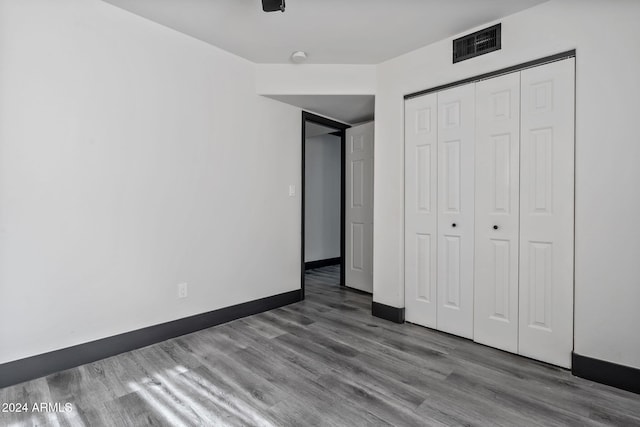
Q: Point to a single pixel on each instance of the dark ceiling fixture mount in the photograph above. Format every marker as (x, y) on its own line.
(273, 5)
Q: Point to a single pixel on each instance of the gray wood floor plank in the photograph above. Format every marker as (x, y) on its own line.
(567, 394)
(370, 338)
(242, 378)
(315, 403)
(134, 409)
(457, 408)
(377, 376)
(263, 328)
(179, 355)
(33, 392)
(392, 376)
(371, 400)
(83, 390)
(393, 360)
(223, 402)
(324, 361)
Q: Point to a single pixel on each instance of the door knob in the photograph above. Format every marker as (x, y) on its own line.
(495, 227)
(453, 225)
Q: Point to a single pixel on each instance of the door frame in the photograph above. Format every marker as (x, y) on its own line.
(512, 69)
(341, 132)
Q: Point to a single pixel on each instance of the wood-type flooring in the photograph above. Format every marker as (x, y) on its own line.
(322, 361)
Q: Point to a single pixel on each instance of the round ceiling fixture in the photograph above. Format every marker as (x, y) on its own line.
(298, 57)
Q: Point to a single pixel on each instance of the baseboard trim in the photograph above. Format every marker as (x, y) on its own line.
(48, 363)
(321, 263)
(357, 291)
(387, 312)
(619, 376)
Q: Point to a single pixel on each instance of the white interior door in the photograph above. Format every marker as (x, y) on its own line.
(359, 208)
(456, 141)
(421, 178)
(547, 212)
(497, 212)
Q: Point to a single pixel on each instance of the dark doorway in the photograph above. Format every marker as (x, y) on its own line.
(338, 129)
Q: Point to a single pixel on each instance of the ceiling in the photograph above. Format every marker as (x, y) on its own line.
(314, 129)
(348, 109)
(330, 31)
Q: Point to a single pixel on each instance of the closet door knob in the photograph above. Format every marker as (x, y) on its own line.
(453, 225)
(495, 227)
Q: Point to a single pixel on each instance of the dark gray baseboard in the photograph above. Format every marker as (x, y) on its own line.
(321, 263)
(357, 291)
(387, 312)
(619, 376)
(48, 363)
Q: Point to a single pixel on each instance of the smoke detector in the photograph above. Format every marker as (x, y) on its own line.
(298, 57)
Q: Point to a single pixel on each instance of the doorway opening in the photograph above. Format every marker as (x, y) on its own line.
(323, 195)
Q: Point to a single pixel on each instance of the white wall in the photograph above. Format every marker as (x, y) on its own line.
(315, 79)
(322, 198)
(133, 158)
(607, 278)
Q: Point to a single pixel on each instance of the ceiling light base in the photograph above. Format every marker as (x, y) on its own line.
(298, 57)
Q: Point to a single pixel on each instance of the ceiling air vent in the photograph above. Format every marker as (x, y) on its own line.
(476, 44)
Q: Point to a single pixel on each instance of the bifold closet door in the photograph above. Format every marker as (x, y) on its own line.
(456, 141)
(421, 157)
(497, 212)
(547, 212)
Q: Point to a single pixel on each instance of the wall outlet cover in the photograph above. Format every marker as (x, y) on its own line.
(182, 290)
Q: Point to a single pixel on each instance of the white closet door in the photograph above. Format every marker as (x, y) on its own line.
(547, 212)
(456, 135)
(497, 212)
(359, 209)
(421, 156)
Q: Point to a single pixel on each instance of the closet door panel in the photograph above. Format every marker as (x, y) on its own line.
(497, 212)
(547, 213)
(421, 155)
(456, 135)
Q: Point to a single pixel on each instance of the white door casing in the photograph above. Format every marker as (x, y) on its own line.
(421, 178)
(547, 212)
(497, 212)
(456, 161)
(359, 207)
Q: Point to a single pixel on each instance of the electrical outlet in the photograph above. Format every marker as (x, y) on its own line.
(292, 190)
(182, 290)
